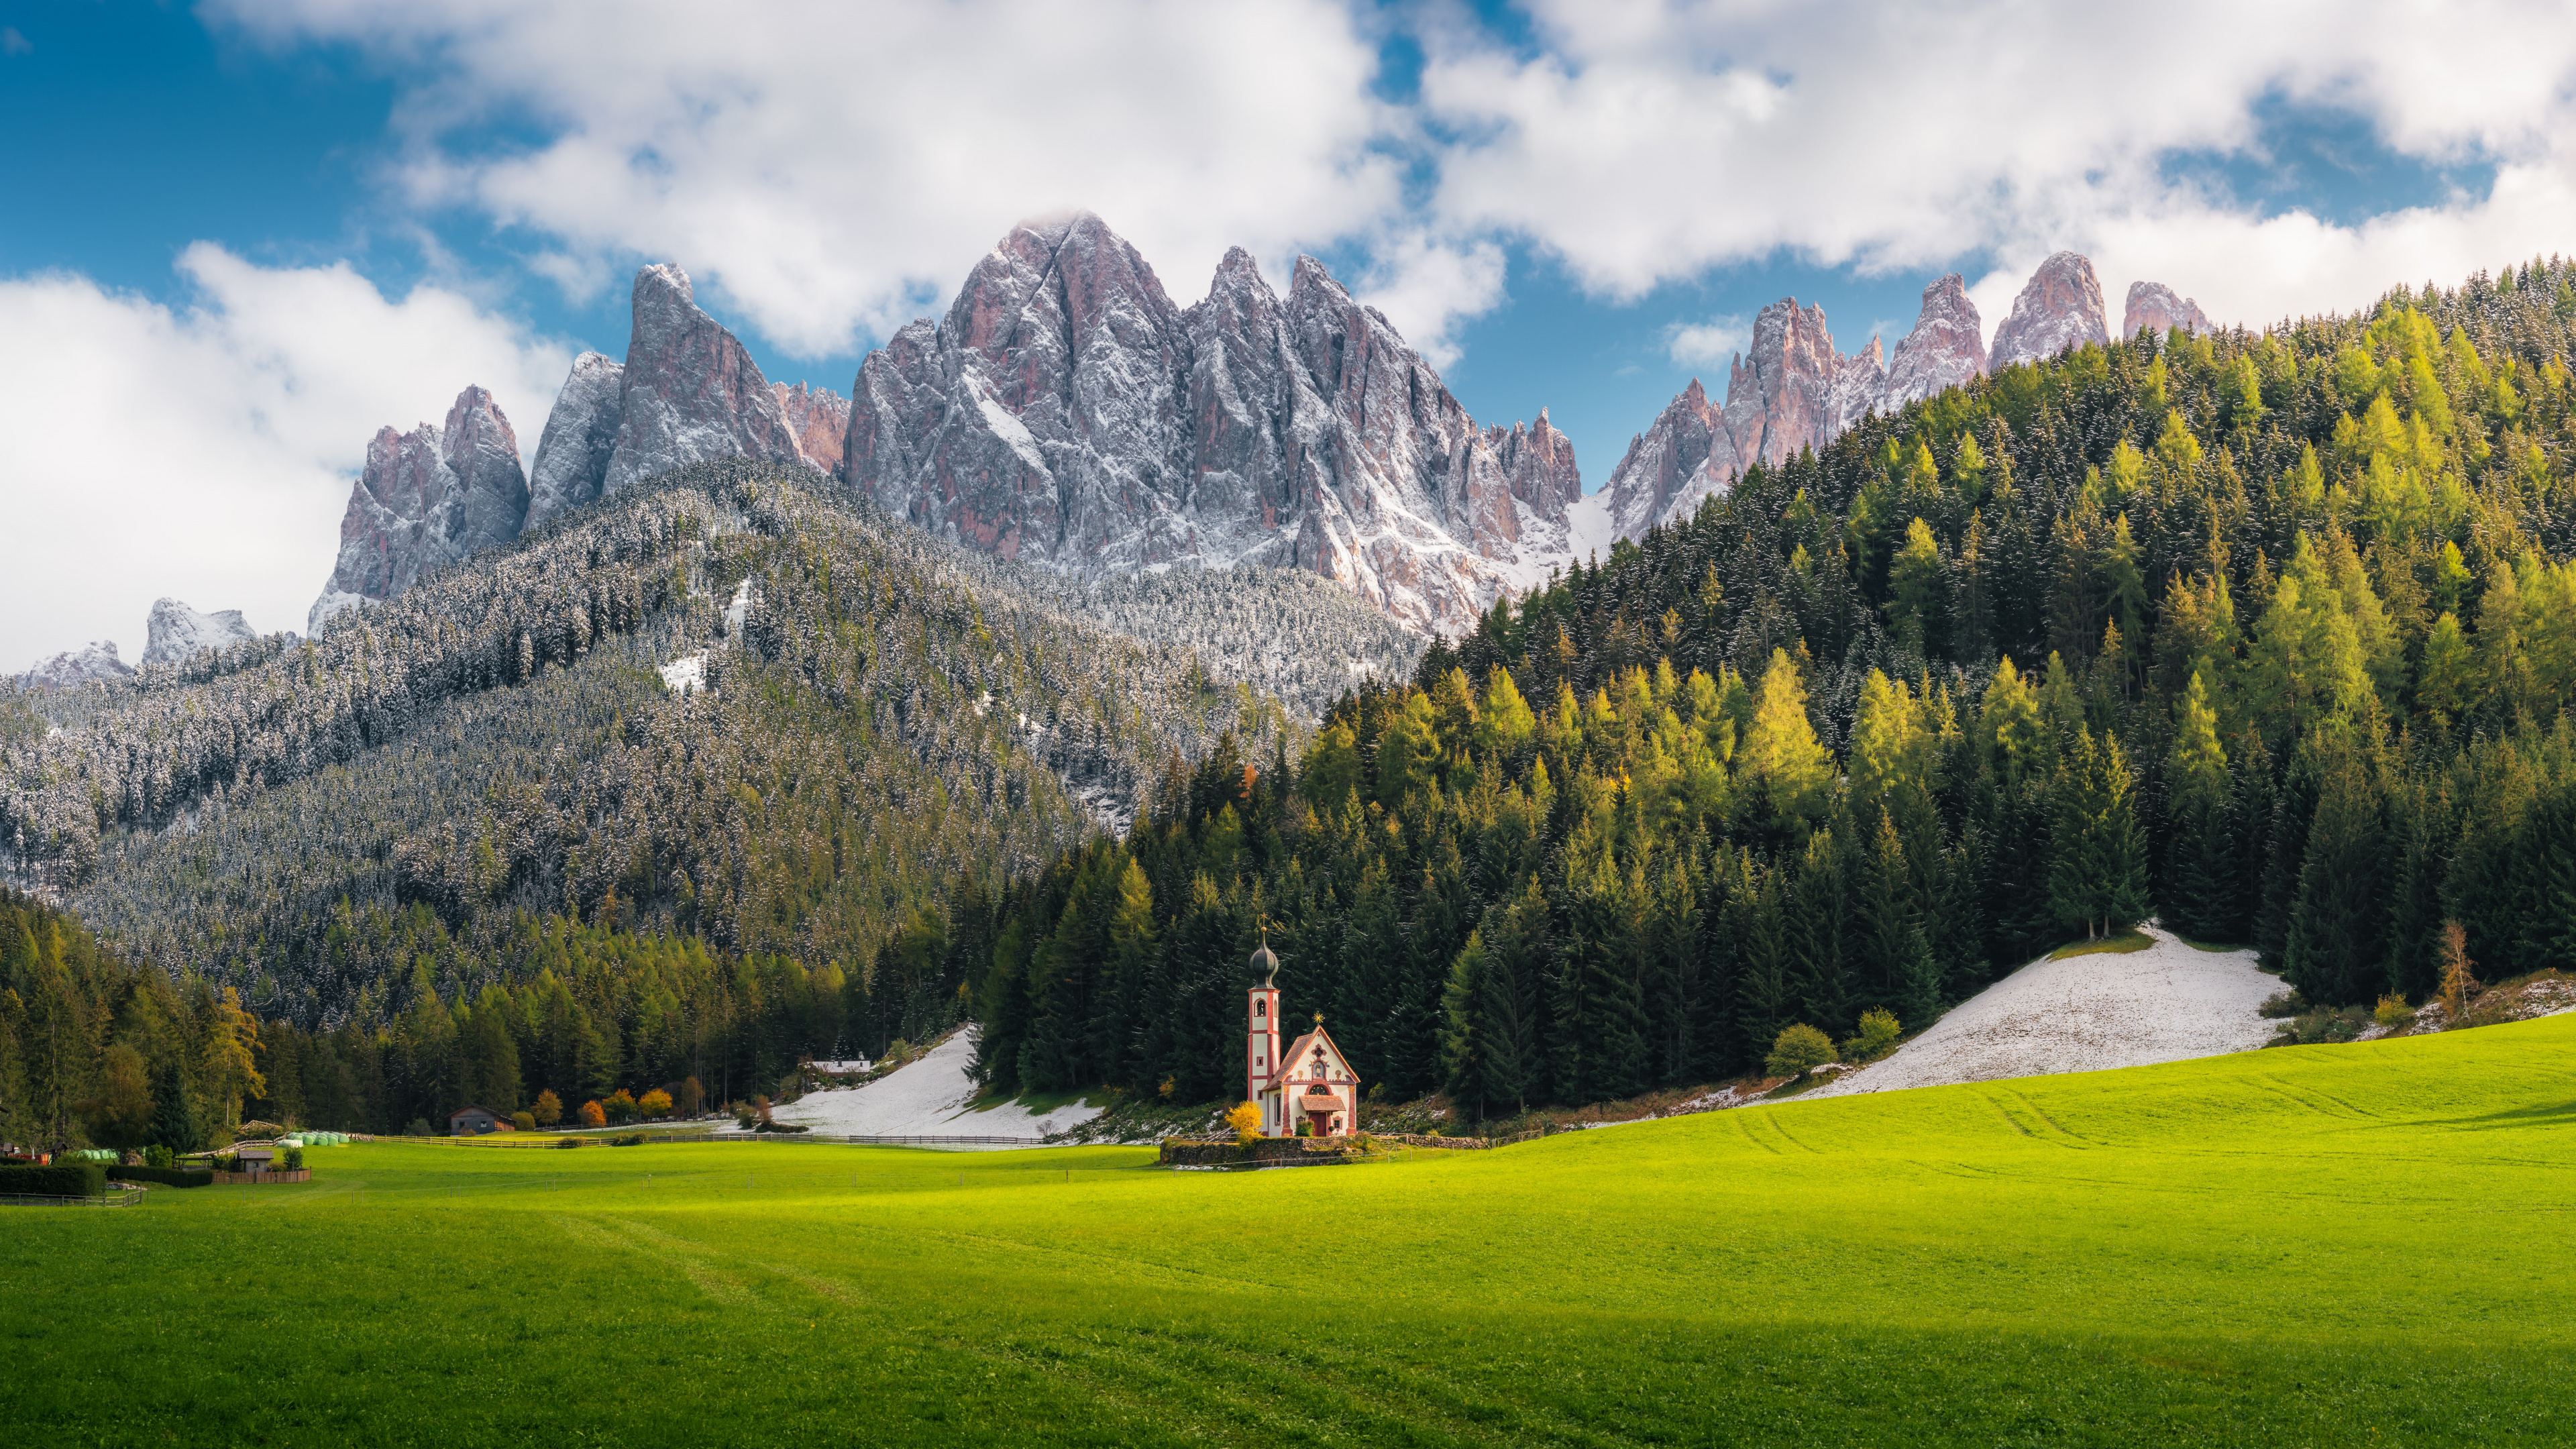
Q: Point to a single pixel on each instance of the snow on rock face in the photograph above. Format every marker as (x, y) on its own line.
(176, 632)
(1065, 412)
(1947, 346)
(819, 418)
(75, 667)
(689, 392)
(2060, 307)
(581, 433)
(2153, 306)
(427, 497)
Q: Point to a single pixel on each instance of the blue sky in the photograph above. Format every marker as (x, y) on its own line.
(241, 236)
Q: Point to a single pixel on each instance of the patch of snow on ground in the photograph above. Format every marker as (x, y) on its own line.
(680, 676)
(926, 1098)
(2167, 1003)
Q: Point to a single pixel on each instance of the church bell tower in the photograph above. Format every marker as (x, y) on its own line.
(1261, 1049)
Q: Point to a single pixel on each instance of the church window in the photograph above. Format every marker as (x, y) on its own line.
(1261, 1008)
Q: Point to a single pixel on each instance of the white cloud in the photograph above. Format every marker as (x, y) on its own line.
(826, 171)
(1709, 343)
(829, 171)
(206, 451)
(1643, 142)
(1427, 287)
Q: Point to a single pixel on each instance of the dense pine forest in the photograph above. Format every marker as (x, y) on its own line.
(2270, 635)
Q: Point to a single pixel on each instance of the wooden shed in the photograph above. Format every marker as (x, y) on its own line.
(475, 1121)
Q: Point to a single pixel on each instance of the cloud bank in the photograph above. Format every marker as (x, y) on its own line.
(205, 451)
(834, 171)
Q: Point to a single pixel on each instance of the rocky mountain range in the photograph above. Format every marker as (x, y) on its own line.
(1066, 412)
(688, 392)
(174, 634)
(1792, 390)
(92, 662)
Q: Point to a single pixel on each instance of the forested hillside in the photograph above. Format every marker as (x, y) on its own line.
(497, 747)
(2271, 634)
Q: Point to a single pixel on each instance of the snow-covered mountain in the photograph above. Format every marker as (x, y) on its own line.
(1793, 390)
(75, 667)
(175, 633)
(1066, 412)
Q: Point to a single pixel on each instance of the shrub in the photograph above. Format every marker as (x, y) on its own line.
(167, 1176)
(1245, 1119)
(2393, 1012)
(631, 1139)
(567, 1143)
(295, 1158)
(549, 1108)
(2314, 1027)
(1878, 1033)
(524, 1121)
(1799, 1049)
(2282, 1004)
(419, 1127)
(157, 1155)
(63, 1179)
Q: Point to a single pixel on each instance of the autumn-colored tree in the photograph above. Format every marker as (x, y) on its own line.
(655, 1104)
(2459, 988)
(1245, 1119)
(693, 1098)
(593, 1115)
(549, 1108)
(620, 1107)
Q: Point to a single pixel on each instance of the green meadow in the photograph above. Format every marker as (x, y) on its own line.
(2361, 1244)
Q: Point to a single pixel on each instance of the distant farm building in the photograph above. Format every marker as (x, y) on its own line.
(475, 1121)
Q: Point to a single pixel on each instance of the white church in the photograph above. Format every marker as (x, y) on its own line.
(1309, 1084)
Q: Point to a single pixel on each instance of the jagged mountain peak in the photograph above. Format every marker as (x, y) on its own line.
(2060, 307)
(2153, 307)
(1947, 346)
(176, 633)
(426, 498)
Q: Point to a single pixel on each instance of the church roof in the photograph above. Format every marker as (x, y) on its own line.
(1304, 1046)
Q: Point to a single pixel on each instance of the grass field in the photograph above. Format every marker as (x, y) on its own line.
(2363, 1244)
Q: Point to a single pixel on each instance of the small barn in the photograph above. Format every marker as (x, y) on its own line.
(254, 1162)
(475, 1121)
